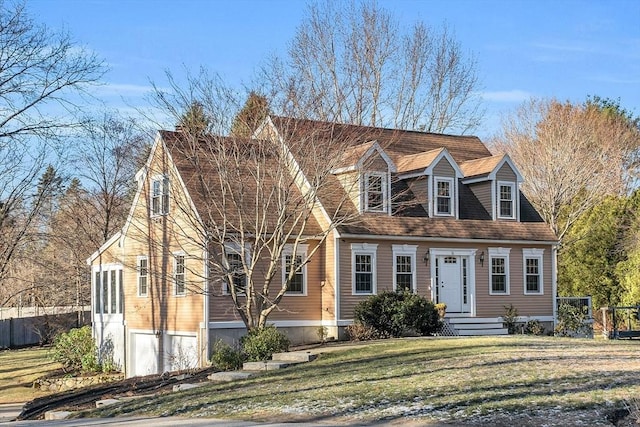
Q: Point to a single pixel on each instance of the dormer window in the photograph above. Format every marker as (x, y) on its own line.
(375, 192)
(506, 200)
(444, 196)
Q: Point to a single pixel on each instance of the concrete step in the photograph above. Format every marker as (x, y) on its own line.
(230, 376)
(268, 365)
(463, 320)
(186, 386)
(481, 332)
(294, 356)
(478, 326)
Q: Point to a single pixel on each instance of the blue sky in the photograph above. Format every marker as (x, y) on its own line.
(543, 48)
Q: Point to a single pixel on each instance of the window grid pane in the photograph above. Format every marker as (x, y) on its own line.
(296, 285)
(532, 275)
(375, 194)
(506, 201)
(404, 274)
(363, 276)
(444, 197)
(236, 270)
(498, 275)
(179, 275)
(142, 277)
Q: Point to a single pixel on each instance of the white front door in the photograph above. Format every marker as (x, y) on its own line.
(450, 282)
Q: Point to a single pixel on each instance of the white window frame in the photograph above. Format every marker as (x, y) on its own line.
(452, 198)
(404, 250)
(370, 249)
(301, 251)
(499, 253)
(533, 254)
(384, 181)
(162, 196)
(234, 248)
(175, 274)
(109, 293)
(512, 185)
(139, 276)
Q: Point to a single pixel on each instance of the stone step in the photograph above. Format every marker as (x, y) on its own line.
(230, 376)
(106, 402)
(268, 365)
(294, 356)
(186, 386)
(56, 415)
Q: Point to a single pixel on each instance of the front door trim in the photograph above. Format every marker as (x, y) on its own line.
(469, 254)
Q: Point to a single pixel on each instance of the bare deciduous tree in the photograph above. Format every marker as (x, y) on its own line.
(41, 75)
(571, 156)
(256, 199)
(352, 63)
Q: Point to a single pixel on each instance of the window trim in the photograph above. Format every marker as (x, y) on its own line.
(302, 252)
(499, 253)
(139, 276)
(175, 274)
(512, 185)
(405, 250)
(533, 254)
(107, 283)
(452, 198)
(162, 196)
(364, 249)
(234, 248)
(385, 192)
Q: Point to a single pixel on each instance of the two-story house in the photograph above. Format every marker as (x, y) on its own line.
(433, 214)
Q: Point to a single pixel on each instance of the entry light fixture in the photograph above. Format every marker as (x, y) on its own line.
(426, 258)
(482, 259)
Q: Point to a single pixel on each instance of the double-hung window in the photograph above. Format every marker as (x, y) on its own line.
(291, 261)
(160, 196)
(375, 192)
(532, 259)
(235, 268)
(444, 196)
(363, 261)
(179, 274)
(143, 276)
(506, 200)
(404, 267)
(499, 271)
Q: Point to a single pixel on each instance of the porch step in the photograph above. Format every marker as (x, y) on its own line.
(268, 365)
(477, 326)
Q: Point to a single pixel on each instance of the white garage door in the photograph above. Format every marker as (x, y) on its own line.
(144, 354)
(181, 352)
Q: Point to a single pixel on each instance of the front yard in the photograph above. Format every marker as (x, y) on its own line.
(515, 380)
(19, 369)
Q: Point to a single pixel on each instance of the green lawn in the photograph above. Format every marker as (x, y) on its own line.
(499, 381)
(18, 370)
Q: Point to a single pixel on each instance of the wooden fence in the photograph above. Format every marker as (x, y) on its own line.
(25, 331)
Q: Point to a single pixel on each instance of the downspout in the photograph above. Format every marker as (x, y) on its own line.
(336, 266)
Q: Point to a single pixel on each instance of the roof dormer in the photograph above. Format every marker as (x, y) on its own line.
(496, 182)
(442, 174)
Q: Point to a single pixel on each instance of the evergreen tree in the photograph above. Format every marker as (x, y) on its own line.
(194, 120)
(255, 110)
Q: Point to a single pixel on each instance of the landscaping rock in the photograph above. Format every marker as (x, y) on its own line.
(56, 415)
(230, 376)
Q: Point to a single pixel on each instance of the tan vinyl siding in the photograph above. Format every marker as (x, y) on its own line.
(384, 273)
(444, 169)
(291, 307)
(158, 238)
(482, 191)
(328, 293)
(376, 163)
(351, 184)
(420, 189)
(506, 174)
(527, 305)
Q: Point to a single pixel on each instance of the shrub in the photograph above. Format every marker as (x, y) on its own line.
(260, 343)
(573, 321)
(226, 358)
(359, 332)
(398, 313)
(534, 327)
(76, 351)
(510, 317)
